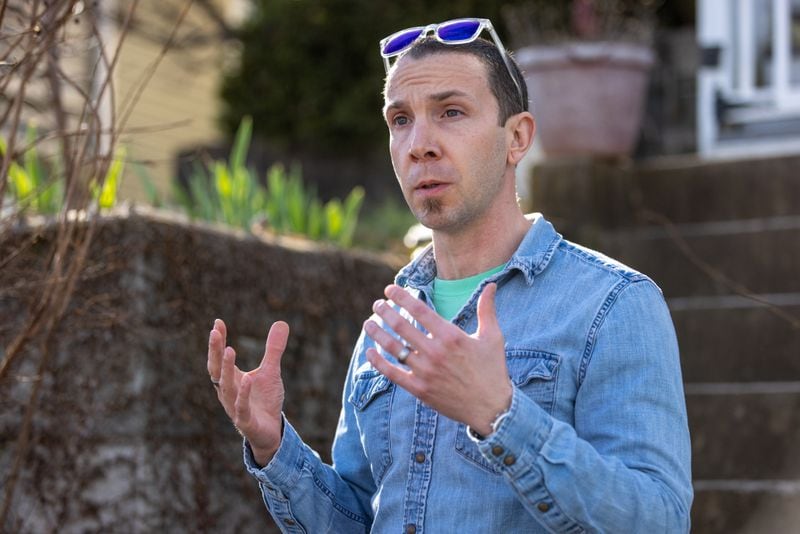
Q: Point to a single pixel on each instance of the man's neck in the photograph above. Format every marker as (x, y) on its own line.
(483, 246)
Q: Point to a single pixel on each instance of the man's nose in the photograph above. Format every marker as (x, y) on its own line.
(423, 144)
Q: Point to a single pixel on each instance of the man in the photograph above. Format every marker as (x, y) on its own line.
(512, 381)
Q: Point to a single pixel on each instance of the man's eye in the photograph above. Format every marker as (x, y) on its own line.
(400, 120)
(452, 113)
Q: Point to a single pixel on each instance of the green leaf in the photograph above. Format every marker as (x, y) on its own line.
(21, 182)
(149, 186)
(222, 180)
(295, 203)
(276, 198)
(352, 206)
(241, 144)
(107, 196)
(315, 219)
(204, 200)
(33, 168)
(334, 219)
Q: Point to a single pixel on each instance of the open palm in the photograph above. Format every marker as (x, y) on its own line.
(253, 400)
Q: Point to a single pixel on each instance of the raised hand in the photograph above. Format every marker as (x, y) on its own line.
(253, 400)
(462, 376)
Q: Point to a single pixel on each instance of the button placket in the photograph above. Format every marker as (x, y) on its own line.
(419, 469)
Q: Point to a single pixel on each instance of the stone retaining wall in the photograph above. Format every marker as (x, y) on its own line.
(128, 435)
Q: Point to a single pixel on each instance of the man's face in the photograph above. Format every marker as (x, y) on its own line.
(448, 151)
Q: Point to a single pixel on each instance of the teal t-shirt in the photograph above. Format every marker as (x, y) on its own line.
(449, 296)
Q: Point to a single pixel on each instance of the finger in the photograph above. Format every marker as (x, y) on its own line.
(219, 326)
(227, 380)
(276, 345)
(401, 325)
(242, 407)
(215, 345)
(428, 318)
(487, 313)
(388, 342)
(397, 375)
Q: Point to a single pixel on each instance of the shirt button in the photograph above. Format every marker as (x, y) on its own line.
(289, 522)
(411, 529)
(543, 507)
(497, 450)
(510, 460)
(419, 457)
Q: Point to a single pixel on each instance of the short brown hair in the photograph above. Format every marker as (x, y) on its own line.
(500, 82)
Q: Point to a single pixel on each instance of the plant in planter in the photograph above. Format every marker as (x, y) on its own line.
(586, 64)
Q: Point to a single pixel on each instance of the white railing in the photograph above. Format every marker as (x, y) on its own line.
(756, 75)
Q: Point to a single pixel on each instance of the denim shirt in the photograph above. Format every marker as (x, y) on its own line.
(596, 439)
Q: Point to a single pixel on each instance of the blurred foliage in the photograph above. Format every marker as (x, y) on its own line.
(311, 76)
(310, 73)
(383, 225)
(36, 186)
(105, 194)
(536, 22)
(30, 186)
(229, 192)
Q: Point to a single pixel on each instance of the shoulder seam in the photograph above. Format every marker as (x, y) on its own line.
(591, 337)
(626, 273)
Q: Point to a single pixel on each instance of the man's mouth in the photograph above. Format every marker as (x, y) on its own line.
(428, 185)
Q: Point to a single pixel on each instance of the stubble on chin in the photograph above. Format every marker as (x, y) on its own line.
(432, 206)
(428, 211)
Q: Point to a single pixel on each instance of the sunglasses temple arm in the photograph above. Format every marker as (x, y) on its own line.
(504, 55)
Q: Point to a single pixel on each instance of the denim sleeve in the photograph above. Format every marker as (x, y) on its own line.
(626, 464)
(305, 495)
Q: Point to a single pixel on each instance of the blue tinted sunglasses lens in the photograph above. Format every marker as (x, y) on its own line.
(459, 31)
(401, 42)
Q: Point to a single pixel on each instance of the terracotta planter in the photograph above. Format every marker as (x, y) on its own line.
(587, 98)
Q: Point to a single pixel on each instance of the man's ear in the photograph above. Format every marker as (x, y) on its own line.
(520, 129)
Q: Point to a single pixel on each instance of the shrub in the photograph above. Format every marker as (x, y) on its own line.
(38, 187)
(229, 192)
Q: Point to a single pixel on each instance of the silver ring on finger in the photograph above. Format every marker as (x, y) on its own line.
(402, 356)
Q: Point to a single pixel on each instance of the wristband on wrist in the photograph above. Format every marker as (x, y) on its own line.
(498, 420)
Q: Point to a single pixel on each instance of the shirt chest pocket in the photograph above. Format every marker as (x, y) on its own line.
(372, 398)
(535, 373)
(532, 372)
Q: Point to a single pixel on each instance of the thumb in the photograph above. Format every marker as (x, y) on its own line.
(276, 344)
(487, 314)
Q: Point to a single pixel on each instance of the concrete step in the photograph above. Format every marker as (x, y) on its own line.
(744, 431)
(761, 255)
(689, 190)
(746, 506)
(745, 466)
(736, 340)
(577, 193)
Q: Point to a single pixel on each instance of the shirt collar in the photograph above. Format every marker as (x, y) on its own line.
(530, 258)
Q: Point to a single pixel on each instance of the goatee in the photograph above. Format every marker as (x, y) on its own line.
(432, 206)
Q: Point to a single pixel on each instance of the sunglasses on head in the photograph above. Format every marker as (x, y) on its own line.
(453, 32)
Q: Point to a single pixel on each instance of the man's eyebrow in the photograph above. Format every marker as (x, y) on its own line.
(438, 97)
(393, 105)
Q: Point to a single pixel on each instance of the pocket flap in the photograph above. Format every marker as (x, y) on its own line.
(527, 365)
(369, 384)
